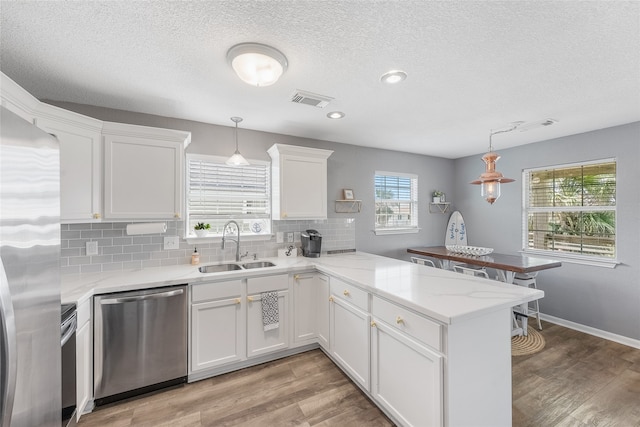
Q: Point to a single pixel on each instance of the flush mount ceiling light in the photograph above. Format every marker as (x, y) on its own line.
(393, 76)
(490, 179)
(257, 64)
(236, 159)
(335, 115)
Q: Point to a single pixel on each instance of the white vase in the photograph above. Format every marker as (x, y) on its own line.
(201, 233)
(436, 199)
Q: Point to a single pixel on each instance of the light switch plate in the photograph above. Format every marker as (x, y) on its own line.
(92, 248)
(171, 242)
(296, 236)
(279, 237)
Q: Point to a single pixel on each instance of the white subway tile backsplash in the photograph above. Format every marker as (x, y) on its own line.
(117, 251)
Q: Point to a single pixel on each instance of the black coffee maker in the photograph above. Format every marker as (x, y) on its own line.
(311, 243)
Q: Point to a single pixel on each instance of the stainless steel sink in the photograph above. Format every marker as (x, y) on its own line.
(217, 268)
(258, 264)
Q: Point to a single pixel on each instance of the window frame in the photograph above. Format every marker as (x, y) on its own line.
(594, 260)
(414, 227)
(188, 230)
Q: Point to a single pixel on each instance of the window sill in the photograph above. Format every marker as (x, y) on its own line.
(387, 231)
(574, 259)
(217, 239)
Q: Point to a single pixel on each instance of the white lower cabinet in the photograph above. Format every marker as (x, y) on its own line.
(84, 359)
(350, 339)
(259, 340)
(217, 324)
(304, 307)
(323, 307)
(407, 377)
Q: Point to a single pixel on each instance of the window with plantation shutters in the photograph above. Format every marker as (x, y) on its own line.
(396, 203)
(570, 210)
(217, 193)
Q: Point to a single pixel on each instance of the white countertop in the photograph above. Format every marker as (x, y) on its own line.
(440, 294)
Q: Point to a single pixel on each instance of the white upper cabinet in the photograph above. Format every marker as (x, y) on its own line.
(80, 162)
(299, 182)
(143, 172)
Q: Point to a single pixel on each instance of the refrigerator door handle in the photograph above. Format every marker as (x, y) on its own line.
(8, 347)
(141, 297)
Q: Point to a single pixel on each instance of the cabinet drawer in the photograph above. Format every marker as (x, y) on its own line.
(84, 313)
(277, 282)
(215, 290)
(347, 292)
(402, 319)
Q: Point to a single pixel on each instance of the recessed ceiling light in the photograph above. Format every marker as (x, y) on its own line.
(335, 115)
(393, 76)
(257, 64)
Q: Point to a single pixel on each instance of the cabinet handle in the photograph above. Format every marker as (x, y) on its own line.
(238, 300)
(96, 216)
(399, 320)
(284, 215)
(345, 293)
(330, 299)
(176, 215)
(296, 277)
(373, 324)
(249, 299)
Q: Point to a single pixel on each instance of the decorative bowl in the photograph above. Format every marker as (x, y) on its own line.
(469, 250)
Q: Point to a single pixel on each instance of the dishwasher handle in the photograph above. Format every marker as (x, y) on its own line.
(121, 300)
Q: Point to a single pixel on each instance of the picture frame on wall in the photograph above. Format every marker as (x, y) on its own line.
(347, 194)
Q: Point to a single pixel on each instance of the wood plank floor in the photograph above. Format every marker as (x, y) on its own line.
(578, 380)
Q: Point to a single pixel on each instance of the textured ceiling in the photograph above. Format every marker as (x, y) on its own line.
(472, 65)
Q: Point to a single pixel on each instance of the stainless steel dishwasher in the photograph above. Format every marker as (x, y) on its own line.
(140, 342)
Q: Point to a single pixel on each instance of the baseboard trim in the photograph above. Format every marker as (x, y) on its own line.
(592, 331)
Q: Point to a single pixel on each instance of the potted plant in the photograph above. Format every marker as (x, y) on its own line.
(201, 229)
(438, 196)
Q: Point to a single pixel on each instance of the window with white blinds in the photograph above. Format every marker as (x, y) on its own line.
(570, 210)
(217, 193)
(396, 203)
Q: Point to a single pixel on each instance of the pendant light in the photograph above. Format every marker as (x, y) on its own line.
(237, 159)
(491, 179)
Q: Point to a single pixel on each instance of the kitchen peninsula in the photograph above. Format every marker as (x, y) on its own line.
(428, 346)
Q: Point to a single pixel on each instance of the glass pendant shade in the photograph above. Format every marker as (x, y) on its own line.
(490, 191)
(237, 159)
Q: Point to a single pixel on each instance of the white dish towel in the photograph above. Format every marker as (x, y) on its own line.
(270, 312)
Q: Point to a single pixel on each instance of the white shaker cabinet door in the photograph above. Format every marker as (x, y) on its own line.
(217, 333)
(350, 340)
(80, 168)
(304, 307)
(323, 310)
(299, 182)
(260, 341)
(407, 378)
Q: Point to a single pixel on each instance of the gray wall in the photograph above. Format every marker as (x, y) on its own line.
(349, 166)
(603, 298)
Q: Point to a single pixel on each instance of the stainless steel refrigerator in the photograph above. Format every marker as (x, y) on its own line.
(30, 382)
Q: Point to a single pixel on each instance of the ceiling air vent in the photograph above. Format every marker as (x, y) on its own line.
(309, 98)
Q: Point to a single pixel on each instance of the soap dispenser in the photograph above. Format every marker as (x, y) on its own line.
(195, 257)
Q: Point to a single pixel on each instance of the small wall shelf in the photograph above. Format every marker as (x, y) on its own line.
(348, 206)
(442, 207)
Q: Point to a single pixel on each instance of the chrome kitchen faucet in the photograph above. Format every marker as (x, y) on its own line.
(237, 239)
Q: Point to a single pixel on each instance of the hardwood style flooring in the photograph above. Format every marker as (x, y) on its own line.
(577, 381)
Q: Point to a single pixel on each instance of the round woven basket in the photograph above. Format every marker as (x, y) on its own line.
(530, 344)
